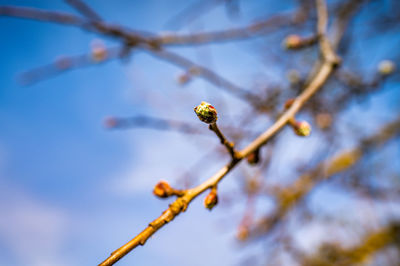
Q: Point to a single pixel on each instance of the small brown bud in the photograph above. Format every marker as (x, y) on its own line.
(211, 199)
(206, 113)
(293, 41)
(254, 157)
(302, 128)
(163, 190)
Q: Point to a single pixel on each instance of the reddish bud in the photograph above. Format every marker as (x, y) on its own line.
(293, 41)
(289, 103)
(254, 157)
(163, 190)
(302, 128)
(206, 113)
(211, 199)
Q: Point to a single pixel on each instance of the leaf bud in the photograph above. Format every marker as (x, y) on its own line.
(206, 113)
(211, 199)
(293, 41)
(386, 67)
(163, 189)
(302, 128)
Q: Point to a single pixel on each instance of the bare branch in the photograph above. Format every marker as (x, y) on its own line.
(230, 146)
(84, 9)
(181, 203)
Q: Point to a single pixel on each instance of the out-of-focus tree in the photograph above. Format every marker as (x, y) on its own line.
(320, 78)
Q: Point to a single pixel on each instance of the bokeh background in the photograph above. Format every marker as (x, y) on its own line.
(71, 191)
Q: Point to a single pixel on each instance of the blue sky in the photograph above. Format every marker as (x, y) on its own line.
(71, 191)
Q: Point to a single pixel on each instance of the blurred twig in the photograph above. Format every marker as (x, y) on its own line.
(181, 203)
(291, 195)
(84, 9)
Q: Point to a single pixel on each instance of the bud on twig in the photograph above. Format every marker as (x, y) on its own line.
(254, 157)
(206, 113)
(163, 190)
(302, 128)
(211, 199)
(293, 41)
(386, 67)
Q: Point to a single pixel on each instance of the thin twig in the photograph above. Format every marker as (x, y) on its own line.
(255, 29)
(208, 75)
(142, 121)
(293, 195)
(181, 203)
(230, 146)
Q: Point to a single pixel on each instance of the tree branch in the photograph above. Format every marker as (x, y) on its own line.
(181, 203)
(84, 9)
(230, 146)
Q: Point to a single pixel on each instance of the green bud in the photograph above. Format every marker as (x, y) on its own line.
(302, 128)
(206, 113)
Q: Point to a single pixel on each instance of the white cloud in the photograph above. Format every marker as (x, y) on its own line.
(33, 231)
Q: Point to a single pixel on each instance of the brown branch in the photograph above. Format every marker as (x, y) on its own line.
(372, 242)
(131, 39)
(153, 123)
(293, 195)
(208, 75)
(127, 35)
(42, 15)
(153, 44)
(230, 146)
(68, 63)
(325, 45)
(181, 203)
(255, 29)
(134, 37)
